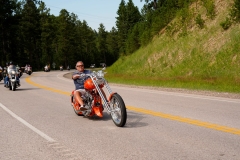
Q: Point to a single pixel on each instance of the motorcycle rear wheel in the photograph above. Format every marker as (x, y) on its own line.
(119, 113)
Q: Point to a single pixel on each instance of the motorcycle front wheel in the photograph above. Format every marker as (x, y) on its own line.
(13, 86)
(118, 113)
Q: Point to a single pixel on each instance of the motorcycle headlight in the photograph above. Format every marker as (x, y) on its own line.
(100, 74)
(13, 72)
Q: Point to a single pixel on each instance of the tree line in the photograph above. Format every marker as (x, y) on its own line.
(30, 34)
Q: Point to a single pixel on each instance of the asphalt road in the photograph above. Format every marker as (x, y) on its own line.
(37, 122)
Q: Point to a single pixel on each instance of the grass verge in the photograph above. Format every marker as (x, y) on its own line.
(206, 84)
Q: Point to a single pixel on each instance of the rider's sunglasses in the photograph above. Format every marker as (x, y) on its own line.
(80, 66)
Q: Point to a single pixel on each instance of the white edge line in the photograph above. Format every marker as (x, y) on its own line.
(46, 137)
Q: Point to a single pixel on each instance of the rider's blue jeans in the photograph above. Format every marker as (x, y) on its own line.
(6, 79)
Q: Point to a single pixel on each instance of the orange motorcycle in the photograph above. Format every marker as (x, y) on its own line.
(95, 100)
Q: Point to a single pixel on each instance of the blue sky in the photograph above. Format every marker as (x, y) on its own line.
(92, 11)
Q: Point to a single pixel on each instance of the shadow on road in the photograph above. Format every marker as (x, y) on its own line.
(134, 120)
(106, 117)
(25, 89)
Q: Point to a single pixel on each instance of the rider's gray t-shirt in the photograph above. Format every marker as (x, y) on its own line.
(79, 83)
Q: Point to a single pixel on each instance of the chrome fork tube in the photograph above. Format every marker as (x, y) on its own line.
(100, 93)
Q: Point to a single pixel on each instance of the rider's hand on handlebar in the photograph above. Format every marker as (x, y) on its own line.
(76, 76)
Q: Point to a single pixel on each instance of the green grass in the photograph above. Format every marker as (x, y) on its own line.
(210, 84)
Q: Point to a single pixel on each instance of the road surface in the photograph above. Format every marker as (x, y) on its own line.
(38, 123)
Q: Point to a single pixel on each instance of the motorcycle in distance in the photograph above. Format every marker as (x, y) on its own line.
(61, 68)
(12, 75)
(95, 100)
(19, 71)
(28, 70)
(47, 68)
(68, 68)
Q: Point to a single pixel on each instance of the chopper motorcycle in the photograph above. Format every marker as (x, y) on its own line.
(95, 101)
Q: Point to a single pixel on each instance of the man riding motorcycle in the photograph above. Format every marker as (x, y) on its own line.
(19, 71)
(79, 77)
(6, 79)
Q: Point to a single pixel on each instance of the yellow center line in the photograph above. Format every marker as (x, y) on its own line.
(46, 88)
(157, 114)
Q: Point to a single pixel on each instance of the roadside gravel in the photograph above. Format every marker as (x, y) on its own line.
(178, 90)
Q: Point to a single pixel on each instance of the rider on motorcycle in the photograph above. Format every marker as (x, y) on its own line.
(79, 78)
(26, 68)
(6, 79)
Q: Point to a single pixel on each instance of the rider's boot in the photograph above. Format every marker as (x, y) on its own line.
(83, 108)
(7, 85)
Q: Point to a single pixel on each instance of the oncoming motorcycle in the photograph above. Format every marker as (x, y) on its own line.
(47, 68)
(12, 75)
(96, 102)
(61, 68)
(28, 70)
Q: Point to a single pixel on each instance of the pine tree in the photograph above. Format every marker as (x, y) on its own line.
(48, 34)
(133, 15)
(128, 16)
(112, 46)
(31, 33)
(133, 40)
(101, 43)
(7, 32)
(65, 38)
(121, 24)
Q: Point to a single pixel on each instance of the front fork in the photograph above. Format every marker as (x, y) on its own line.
(105, 103)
